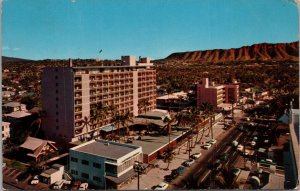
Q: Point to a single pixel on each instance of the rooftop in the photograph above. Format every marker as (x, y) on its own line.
(173, 96)
(151, 144)
(17, 114)
(111, 150)
(33, 143)
(5, 123)
(13, 104)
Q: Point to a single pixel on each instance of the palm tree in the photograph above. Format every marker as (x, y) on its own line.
(207, 109)
(143, 104)
(117, 120)
(168, 157)
(126, 117)
(86, 123)
(39, 115)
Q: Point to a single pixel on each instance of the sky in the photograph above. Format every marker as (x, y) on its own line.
(61, 29)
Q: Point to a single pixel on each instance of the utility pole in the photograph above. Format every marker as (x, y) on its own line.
(137, 167)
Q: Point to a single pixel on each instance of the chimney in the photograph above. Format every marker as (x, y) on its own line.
(70, 63)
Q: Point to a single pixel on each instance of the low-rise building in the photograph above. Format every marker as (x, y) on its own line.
(216, 94)
(53, 174)
(104, 163)
(35, 149)
(13, 106)
(5, 130)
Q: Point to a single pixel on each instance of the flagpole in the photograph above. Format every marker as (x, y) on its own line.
(100, 51)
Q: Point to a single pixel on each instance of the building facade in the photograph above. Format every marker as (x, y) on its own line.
(99, 162)
(216, 94)
(69, 94)
(5, 130)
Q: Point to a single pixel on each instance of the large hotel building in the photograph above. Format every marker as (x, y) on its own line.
(216, 94)
(70, 93)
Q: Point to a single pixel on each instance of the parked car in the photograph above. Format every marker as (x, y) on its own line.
(215, 166)
(75, 185)
(236, 171)
(240, 148)
(245, 119)
(196, 155)
(212, 141)
(83, 186)
(181, 170)
(35, 180)
(188, 162)
(168, 178)
(224, 157)
(58, 184)
(162, 186)
(206, 146)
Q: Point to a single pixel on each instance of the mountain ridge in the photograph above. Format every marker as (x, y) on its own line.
(255, 52)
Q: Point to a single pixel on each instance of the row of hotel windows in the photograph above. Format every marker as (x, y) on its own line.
(86, 176)
(85, 162)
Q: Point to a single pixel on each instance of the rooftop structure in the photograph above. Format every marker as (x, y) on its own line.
(72, 93)
(35, 148)
(15, 105)
(97, 161)
(216, 94)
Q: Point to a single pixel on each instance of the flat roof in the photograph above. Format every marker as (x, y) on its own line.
(173, 95)
(153, 114)
(153, 143)
(50, 171)
(13, 104)
(17, 114)
(111, 150)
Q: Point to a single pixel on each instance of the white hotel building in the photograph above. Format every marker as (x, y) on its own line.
(70, 93)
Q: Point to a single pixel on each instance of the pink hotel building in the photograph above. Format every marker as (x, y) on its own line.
(216, 94)
(70, 93)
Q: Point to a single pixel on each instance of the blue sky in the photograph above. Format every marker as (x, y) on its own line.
(40, 29)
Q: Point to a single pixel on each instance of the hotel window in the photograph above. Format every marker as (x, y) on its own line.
(73, 159)
(85, 162)
(96, 178)
(96, 165)
(84, 175)
(74, 172)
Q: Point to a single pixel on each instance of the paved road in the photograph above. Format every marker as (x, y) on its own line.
(199, 168)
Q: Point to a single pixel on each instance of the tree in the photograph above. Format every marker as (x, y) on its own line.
(207, 110)
(86, 123)
(126, 117)
(143, 104)
(168, 157)
(39, 115)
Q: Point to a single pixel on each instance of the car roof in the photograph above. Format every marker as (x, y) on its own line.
(162, 184)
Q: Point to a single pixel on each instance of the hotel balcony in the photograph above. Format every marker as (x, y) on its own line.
(78, 109)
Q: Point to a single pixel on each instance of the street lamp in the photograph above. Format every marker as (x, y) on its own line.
(139, 168)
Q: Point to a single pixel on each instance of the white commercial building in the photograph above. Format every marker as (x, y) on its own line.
(103, 163)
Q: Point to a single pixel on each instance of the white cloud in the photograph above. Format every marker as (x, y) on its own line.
(16, 49)
(73, 1)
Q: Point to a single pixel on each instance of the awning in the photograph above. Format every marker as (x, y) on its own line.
(121, 179)
(108, 128)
